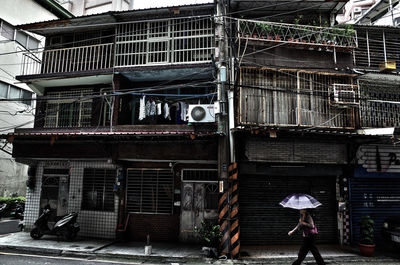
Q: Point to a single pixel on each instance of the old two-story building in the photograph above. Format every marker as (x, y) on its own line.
(112, 139)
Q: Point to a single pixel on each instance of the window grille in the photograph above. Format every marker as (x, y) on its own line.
(68, 109)
(211, 196)
(200, 175)
(150, 191)
(171, 41)
(97, 192)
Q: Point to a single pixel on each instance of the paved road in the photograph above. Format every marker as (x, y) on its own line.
(16, 258)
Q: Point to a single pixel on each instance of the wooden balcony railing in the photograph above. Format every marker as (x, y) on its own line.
(345, 38)
(84, 58)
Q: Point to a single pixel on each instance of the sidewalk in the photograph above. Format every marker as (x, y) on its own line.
(164, 252)
(22, 241)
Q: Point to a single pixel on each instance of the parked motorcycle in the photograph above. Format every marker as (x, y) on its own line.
(18, 211)
(65, 227)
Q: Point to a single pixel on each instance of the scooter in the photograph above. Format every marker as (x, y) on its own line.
(65, 227)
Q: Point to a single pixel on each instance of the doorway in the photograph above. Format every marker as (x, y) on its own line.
(55, 191)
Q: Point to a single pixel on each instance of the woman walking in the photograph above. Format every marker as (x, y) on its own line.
(306, 222)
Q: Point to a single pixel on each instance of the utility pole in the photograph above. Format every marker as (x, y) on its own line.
(221, 61)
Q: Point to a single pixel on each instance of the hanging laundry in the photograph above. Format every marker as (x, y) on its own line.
(159, 108)
(153, 108)
(184, 108)
(166, 112)
(148, 107)
(142, 108)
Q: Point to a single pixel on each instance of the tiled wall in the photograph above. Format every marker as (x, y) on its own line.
(93, 223)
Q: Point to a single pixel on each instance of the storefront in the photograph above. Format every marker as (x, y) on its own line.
(270, 170)
(375, 187)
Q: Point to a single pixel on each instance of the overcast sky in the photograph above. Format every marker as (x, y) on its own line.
(139, 4)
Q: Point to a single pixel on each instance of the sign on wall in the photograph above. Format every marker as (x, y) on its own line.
(379, 158)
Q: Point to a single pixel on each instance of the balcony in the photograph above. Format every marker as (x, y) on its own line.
(137, 44)
(297, 35)
(76, 59)
(288, 98)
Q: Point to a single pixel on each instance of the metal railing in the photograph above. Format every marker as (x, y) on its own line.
(297, 34)
(272, 97)
(84, 58)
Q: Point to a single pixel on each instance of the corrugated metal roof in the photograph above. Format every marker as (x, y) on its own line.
(137, 130)
(111, 13)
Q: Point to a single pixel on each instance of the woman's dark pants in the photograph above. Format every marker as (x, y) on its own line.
(309, 245)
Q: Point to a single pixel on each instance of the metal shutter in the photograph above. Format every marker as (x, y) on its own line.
(263, 221)
(150, 191)
(378, 198)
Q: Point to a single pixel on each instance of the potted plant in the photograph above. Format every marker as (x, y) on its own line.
(367, 245)
(210, 236)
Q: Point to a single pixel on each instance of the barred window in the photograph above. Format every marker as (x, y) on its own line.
(150, 191)
(98, 185)
(211, 196)
(69, 108)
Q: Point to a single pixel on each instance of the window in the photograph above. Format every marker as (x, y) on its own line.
(150, 191)
(97, 192)
(211, 196)
(3, 90)
(7, 30)
(21, 38)
(27, 97)
(68, 109)
(13, 92)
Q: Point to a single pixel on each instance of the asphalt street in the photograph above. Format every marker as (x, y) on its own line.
(16, 258)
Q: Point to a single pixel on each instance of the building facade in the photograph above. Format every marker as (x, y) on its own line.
(150, 121)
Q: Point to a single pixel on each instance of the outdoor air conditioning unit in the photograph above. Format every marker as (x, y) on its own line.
(345, 95)
(201, 113)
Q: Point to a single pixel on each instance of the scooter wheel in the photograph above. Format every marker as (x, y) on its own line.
(35, 233)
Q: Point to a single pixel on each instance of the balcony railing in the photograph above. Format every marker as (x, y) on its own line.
(84, 58)
(297, 34)
(272, 97)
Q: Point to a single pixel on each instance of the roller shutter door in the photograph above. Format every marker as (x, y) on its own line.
(376, 197)
(263, 221)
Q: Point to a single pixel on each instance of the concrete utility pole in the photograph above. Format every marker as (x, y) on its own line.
(222, 65)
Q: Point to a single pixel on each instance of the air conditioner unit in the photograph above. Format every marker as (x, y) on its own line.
(201, 113)
(345, 94)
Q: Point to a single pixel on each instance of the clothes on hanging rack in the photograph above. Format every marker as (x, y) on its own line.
(142, 108)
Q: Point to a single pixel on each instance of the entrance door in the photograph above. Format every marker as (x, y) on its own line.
(55, 191)
(263, 221)
(199, 200)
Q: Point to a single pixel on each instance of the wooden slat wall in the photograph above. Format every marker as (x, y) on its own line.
(273, 96)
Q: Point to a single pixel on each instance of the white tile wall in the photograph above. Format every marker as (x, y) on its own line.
(93, 223)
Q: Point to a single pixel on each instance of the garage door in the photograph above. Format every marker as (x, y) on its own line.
(263, 221)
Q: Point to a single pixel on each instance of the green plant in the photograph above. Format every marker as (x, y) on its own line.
(209, 233)
(367, 230)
